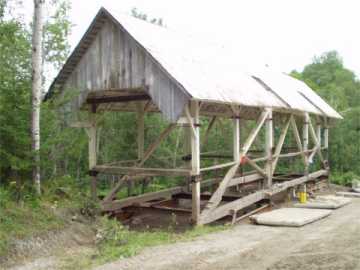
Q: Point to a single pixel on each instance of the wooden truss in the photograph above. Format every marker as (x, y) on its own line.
(215, 208)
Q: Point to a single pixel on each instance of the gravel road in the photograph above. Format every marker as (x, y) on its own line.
(331, 243)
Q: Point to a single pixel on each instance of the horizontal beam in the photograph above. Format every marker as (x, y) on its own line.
(113, 99)
(205, 197)
(233, 182)
(143, 171)
(217, 167)
(118, 204)
(298, 181)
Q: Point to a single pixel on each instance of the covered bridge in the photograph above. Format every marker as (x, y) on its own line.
(127, 65)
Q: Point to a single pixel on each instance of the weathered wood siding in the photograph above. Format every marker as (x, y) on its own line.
(115, 60)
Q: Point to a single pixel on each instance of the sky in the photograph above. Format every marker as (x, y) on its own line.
(281, 34)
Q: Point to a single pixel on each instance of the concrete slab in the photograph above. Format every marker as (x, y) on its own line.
(290, 217)
(348, 194)
(325, 202)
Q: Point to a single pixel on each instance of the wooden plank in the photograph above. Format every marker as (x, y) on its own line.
(156, 143)
(99, 100)
(326, 138)
(297, 137)
(195, 161)
(235, 220)
(92, 134)
(209, 128)
(216, 197)
(306, 143)
(224, 184)
(257, 167)
(236, 139)
(115, 189)
(217, 167)
(297, 181)
(316, 141)
(249, 141)
(118, 204)
(269, 142)
(280, 144)
(140, 130)
(195, 138)
(142, 171)
(190, 120)
(245, 179)
(229, 208)
(234, 181)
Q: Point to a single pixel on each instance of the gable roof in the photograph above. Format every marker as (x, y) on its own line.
(206, 72)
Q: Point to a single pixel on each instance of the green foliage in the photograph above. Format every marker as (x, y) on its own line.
(15, 90)
(341, 88)
(28, 218)
(115, 241)
(15, 81)
(56, 32)
(344, 179)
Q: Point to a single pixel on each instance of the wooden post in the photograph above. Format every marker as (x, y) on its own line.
(326, 137)
(92, 133)
(318, 134)
(269, 143)
(306, 145)
(140, 136)
(140, 130)
(236, 139)
(195, 161)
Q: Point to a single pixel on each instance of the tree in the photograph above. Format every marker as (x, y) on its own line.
(341, 88)
(15, 85)
(37, 64)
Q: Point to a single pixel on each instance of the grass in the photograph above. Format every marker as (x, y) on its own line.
(33, 216)
(26, 218)
(117, 242)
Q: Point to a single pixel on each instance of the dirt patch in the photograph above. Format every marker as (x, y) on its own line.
(39, 252)
(331, 243)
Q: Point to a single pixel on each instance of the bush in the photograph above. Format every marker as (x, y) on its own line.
(344, 179)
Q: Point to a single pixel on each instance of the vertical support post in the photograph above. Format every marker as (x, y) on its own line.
(236, 142)
(318, 133)
(140, 130)
(306, 141)
(326, 137)
(92, 133)
(140, 140)
(195, 161)
(236, 139)
(305, 148)
(269, 144)
(187, 151)
(326, 146)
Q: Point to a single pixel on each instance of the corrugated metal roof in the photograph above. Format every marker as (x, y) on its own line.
(209, 72)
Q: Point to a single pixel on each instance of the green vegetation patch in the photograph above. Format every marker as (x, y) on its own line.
(26, 218)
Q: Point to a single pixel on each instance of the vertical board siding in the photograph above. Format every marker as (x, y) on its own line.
(115, 60)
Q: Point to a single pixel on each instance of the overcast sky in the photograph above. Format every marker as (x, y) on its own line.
(282, 34)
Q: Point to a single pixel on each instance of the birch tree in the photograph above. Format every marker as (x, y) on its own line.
(37, 38)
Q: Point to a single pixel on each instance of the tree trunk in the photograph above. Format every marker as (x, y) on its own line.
(36, 89)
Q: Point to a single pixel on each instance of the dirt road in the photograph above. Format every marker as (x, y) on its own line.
(331, 243)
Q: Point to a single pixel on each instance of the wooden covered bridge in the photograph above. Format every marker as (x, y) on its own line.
(127, 65)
